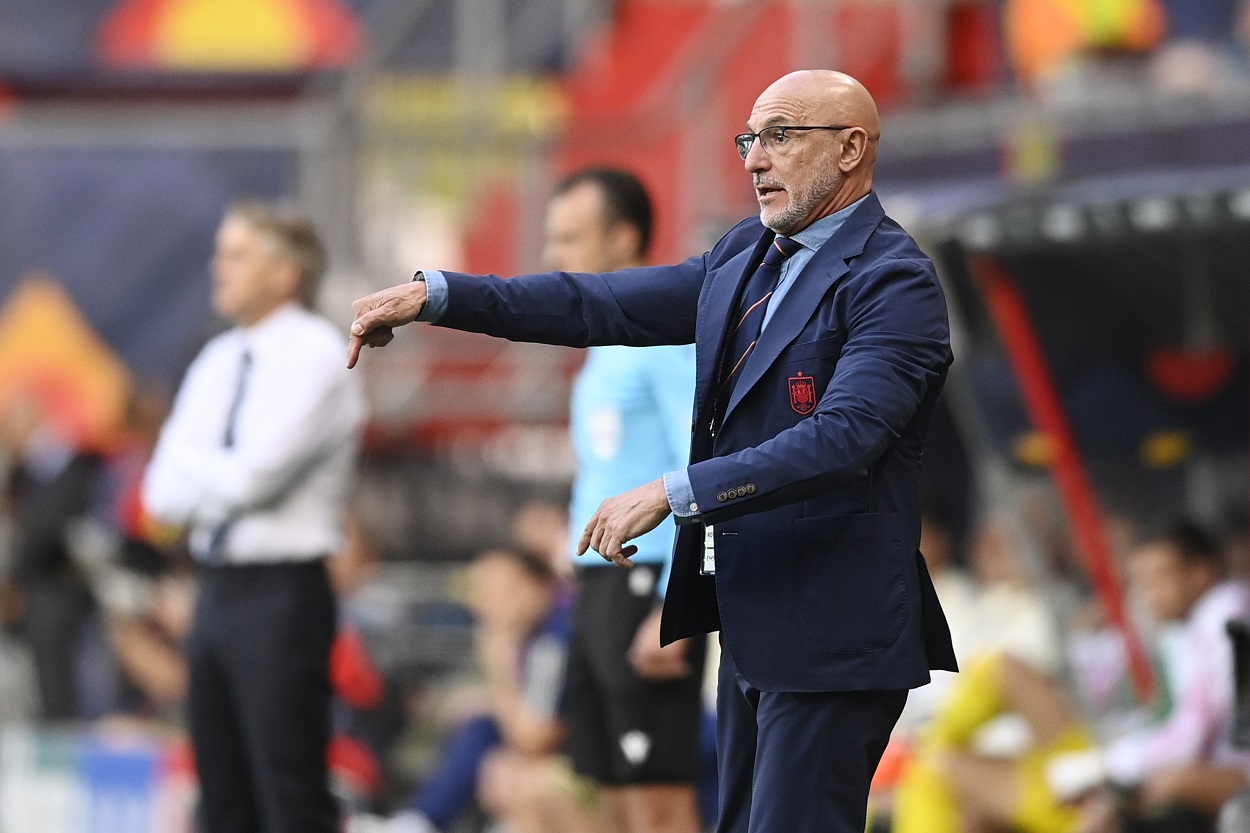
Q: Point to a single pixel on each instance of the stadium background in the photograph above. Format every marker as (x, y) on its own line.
(1090, 158)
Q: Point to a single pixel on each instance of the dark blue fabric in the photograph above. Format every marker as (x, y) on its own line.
(1206, 20)
(706, 787)
(801, 762)
(446, 793)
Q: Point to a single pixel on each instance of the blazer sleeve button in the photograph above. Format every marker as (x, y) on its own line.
(722, 497)
(750, 488)
(742, 491)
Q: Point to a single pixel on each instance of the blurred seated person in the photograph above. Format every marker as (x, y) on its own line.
(508, 757)
(139, 575)
(1010, 613)
(958, 594)
(1177, 772)
(1187, 761)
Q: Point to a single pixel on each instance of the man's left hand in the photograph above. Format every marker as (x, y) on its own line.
(623, 518)
(650, 660)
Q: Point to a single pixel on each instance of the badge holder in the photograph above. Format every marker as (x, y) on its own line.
(708, 566)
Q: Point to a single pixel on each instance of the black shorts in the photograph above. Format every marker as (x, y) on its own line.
(624, 730)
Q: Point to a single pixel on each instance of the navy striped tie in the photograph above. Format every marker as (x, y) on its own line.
(750, 318)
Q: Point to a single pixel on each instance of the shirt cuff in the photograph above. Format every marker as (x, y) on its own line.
(681, 496)
(436, 296)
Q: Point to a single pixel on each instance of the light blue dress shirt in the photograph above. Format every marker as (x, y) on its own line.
(677, 482)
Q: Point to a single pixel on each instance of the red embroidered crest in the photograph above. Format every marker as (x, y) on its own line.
(803, 394)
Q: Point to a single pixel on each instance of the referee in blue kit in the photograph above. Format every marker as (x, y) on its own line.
(634, 707)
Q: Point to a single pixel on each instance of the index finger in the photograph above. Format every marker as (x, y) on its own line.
(354, 343)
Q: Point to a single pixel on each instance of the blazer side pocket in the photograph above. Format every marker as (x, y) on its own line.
(850, 584)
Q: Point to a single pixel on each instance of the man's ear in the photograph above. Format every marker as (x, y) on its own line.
(853, 150)
(624, 241)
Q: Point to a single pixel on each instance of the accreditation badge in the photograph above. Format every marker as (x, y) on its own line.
(708, 567)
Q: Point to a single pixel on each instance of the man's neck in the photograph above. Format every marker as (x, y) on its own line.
(253, 320)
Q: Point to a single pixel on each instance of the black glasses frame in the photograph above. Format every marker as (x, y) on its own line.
(777, 133)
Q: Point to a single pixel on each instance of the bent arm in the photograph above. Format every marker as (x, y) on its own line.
(312, 420)
(309, 412)
(897, 349)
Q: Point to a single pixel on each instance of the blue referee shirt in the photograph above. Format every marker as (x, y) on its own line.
(630, 421)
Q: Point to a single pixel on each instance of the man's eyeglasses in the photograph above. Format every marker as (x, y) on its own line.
(772, 138)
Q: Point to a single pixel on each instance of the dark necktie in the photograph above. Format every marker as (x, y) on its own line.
(216, 545)
(240, 388)
(750, 314)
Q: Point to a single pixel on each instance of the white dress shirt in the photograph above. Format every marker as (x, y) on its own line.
(279, 491)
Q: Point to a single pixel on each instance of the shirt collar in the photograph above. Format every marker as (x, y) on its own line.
(819, 232)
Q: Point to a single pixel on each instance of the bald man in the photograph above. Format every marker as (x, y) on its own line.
(822, 347)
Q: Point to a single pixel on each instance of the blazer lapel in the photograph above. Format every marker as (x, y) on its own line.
(798, 306)
(719, 296)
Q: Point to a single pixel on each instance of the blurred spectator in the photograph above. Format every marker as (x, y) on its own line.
(1002, 614)
(148, 643)
(507, 757)
(1187, 761)
(144, 591)
(51, 485)
(958, 594)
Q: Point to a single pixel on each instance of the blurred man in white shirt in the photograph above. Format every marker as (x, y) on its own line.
(256, 460)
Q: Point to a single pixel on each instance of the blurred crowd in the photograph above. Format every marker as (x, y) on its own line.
(1043, 730)
(1059, 47)
(94, 603)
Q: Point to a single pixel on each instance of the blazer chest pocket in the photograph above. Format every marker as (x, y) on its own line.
(806, 369)
(849, 580)
(821, 348)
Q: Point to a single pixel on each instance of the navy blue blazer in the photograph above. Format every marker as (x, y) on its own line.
(812, 480)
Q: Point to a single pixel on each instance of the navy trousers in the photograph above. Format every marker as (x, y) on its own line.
(798, 762)
(259, 711)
